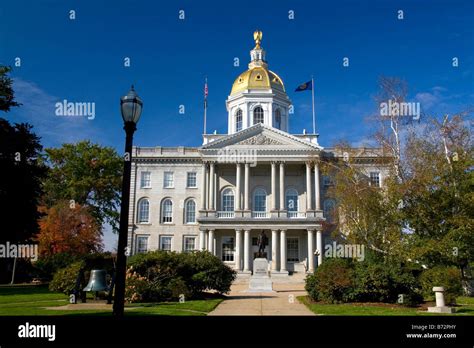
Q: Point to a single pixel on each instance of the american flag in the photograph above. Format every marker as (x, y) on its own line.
(206, 92)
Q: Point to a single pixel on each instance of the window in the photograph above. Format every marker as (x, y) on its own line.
(167, 211)
(375, 179)
(143, 211)
(291, 200)
(260, 200)
(145, 181)
(168, 181)
(238, 121)
(329, 209)
(228, 200)
(292, 248)
(228, 249)
(278, 119)
(190, 212)
(257, 115)
(165, 243)
(142, 244)
(189, 244)
(191, 181)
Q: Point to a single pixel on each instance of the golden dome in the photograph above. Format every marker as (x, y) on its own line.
(257, 78)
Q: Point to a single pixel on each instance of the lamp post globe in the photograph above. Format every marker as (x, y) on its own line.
(131, 108)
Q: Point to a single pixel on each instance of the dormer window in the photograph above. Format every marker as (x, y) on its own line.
(258, 77)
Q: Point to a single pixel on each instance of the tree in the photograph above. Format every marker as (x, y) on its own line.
(7, 97)
(86, 174)
(21, 173)
(68, 228)
(439, 199)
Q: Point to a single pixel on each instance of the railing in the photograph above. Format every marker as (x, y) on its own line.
(260, 214)
(225, 214)
(296, 214)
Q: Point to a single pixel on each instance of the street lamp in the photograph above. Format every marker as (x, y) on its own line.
(131, 108)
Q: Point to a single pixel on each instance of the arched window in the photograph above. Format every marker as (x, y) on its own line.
(260, 200)
(167, 211)
(238, 120)
(228, 200)
(190, 212)
(143, 211)
(278, 119)
(257, 115)
(329, 208)
(291, 199)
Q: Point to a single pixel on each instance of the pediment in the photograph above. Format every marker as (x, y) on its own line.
(261, 136)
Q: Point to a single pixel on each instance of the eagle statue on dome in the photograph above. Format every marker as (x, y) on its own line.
(257, 36)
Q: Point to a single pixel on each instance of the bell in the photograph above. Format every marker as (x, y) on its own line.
(97, 281)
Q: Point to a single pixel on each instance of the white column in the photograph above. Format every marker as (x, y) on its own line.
(246, 186)
(283, 250)
(238, 248)
(310, 251)
(211, 186)
(317, 194)
(319, 246)
(237, 187)
(202, 240)
(211, 242)
(204, 186)
(309, 197)
(274, 193)
(246, 250)
(282, 186)
(274, 250)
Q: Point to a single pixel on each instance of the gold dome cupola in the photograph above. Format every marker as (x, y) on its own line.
(258, 91)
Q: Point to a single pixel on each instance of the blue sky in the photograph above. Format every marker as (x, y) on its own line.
(82, 60)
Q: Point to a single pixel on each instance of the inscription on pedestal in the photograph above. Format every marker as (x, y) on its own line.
(260, 281)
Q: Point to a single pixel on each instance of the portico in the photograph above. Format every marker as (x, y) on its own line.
(262, 179)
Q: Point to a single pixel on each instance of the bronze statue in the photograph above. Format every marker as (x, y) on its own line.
(262, 242)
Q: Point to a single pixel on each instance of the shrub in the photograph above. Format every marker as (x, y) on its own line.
(386, 281)
(47, 266)
(169, 274)
(371, 280)
(332, 282)
(447, 277)
(64, 280)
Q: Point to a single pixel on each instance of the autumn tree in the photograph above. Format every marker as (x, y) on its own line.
(69, 228)
(87, 174)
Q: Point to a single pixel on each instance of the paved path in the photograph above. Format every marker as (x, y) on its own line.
(281, 302)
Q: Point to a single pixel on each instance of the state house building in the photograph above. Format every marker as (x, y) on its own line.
(257, 177)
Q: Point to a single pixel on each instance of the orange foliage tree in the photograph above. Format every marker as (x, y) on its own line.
(68, 228)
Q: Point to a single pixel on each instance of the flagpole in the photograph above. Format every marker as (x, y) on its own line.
(205, 107)
(312, 93)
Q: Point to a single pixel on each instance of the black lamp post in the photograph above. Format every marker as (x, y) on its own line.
(131, 108)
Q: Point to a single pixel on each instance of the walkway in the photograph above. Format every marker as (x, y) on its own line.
(281, 302)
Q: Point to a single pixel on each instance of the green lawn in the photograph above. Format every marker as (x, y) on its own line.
(31, 300)
(465, 307)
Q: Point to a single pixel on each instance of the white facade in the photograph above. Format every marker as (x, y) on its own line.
(258, 177)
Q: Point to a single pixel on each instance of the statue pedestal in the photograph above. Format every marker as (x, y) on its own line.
(260, 281)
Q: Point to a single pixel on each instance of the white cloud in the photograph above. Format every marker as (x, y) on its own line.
(38, 109)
